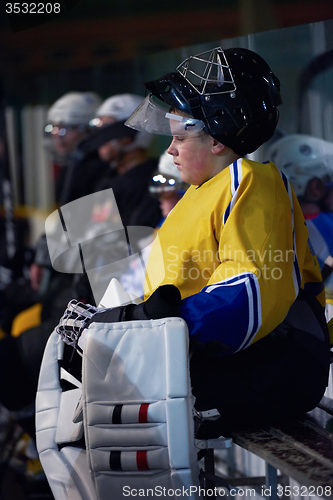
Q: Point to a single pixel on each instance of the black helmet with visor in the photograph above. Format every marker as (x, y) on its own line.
(231, 94)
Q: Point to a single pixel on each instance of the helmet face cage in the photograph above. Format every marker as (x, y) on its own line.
(208, 70)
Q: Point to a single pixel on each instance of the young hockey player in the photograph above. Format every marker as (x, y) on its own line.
(237, 265)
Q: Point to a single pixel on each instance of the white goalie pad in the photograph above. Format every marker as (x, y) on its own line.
(66, 468)
(138, 409)
(137, 415)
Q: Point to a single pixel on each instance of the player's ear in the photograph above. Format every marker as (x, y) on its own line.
(217, 147)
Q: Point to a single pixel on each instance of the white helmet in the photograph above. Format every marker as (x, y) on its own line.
(120, 107)
(167, 178)
(302, 157)
(74, 108)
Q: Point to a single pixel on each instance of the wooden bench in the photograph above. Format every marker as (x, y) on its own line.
(301, 450)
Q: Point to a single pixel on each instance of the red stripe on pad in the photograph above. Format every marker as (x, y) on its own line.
(143, 413)
(141, 460)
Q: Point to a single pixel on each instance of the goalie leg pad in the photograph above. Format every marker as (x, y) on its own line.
(137, 414)
(66, 468)
(138, 408)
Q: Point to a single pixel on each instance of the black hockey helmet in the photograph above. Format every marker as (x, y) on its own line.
(233, 93)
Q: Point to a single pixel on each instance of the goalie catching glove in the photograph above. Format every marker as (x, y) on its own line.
(163, 303)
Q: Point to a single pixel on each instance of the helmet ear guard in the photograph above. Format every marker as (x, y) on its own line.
(254, 134)
(254, 102)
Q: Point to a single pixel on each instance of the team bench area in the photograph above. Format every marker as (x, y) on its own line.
(300, 450)
(297, 451)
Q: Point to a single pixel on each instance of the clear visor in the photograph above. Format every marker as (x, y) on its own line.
(158, 119)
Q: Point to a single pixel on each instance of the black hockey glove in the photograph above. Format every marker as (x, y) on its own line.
(163, 303)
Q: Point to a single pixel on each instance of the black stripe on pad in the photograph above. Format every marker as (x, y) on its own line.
(115, 463)
(116, 415)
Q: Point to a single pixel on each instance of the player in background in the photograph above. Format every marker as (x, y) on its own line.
(307, 162)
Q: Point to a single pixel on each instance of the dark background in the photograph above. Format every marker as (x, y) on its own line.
(98, 44)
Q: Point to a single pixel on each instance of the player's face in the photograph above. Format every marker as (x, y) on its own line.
(192, 154)
(110, 150)
(64, 144)
(167, 202)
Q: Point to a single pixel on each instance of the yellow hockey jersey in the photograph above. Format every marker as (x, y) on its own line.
(237, 249)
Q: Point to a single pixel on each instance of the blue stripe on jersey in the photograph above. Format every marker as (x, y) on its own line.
(297, 271)
(236, 176)
(285, 181)
(226, 214)
(228, 312)
(235, 172)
